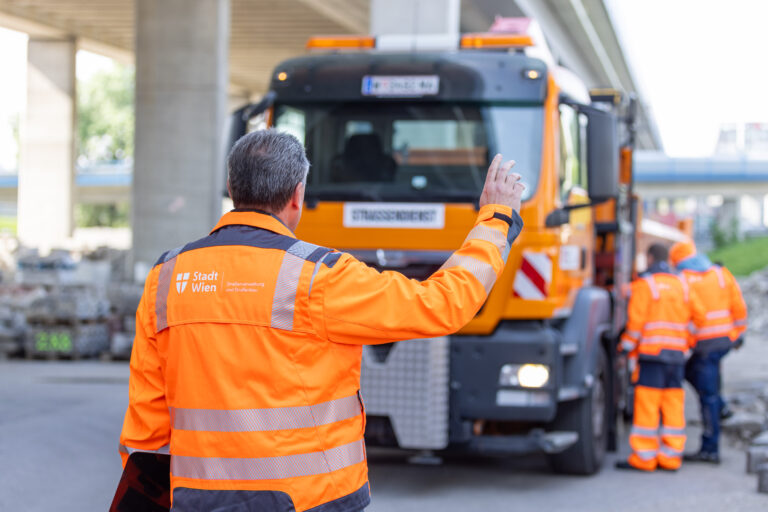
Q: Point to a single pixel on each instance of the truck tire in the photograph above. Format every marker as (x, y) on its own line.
(589, 417)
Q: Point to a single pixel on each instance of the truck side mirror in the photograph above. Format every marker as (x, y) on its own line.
(557, 217)
(602, 154)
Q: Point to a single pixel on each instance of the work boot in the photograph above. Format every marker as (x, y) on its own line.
(709, 457)
(726, 412)
(622, 464)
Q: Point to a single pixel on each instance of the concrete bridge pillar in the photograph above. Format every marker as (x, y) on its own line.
(47, 163)
(181, 103)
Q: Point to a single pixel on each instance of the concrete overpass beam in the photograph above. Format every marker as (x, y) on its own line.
(181, 103)
(46, 170)
(415, 16)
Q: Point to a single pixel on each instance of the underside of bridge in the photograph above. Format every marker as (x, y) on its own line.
(195, 59)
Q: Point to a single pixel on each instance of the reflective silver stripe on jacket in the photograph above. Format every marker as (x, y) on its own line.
(643, 432)
(494, 236)
(165, 450)
(740, 323)
(670, 431)
(482, 271)
(652, 285)
(261, 420)
(666, 325)
(720, 277)
(268, 468)
(684, 284)
(721, 313)
(164, 286)
(284, 300)
(314, 272)
(668, 340)
(715, 329)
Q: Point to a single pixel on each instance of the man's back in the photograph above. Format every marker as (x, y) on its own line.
(722, 299)
(249, 351)
(246, 362)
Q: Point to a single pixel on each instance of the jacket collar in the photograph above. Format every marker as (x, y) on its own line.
(660, 267)
(254, 218)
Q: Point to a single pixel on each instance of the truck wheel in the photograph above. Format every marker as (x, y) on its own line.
(589, 417)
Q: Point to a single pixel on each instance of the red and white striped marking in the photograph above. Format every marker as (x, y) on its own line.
(533, 278)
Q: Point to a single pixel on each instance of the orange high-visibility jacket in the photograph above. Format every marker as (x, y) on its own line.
(726, 311)
(246, 362)
(661, 308)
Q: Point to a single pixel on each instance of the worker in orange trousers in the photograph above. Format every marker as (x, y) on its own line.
(657, 336)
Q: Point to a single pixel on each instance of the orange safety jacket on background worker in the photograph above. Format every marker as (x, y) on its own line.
(719, 292)
(246, 362)
(661, 309)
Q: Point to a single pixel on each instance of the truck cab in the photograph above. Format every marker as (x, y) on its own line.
(400, 132)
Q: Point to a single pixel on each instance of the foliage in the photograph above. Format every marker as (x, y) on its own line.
(743, 258)
(723, 237)
(106, 115)
(102, 215)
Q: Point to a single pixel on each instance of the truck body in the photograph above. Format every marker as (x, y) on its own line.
(399, 142)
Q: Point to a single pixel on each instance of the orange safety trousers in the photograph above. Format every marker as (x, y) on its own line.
(657, 437)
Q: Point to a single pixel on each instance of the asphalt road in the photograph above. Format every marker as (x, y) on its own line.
(60, 422)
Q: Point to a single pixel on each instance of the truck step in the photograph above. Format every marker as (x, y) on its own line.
(569, 349)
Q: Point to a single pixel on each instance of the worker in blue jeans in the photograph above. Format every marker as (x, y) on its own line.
(703, 372)
(726, 322)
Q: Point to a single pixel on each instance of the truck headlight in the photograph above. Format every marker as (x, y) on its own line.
(524, 375)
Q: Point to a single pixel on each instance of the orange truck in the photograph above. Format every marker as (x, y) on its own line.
(400, 131)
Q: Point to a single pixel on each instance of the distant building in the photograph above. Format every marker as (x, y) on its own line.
(743, 138)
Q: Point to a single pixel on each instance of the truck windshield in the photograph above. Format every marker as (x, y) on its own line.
(410, 151)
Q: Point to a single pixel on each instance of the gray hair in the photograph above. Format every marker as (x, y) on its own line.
(264, 169)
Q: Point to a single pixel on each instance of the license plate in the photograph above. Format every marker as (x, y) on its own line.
(401, 86)
(394, 215)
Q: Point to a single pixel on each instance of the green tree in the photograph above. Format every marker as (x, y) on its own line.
(105, 115)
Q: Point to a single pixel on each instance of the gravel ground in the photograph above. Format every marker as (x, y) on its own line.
(60, 421)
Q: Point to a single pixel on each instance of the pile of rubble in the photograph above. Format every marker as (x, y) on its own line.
(748, 428)
(755, 290)
(67, 305)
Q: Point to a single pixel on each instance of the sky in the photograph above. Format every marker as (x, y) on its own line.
(13, 69)
(697, 63)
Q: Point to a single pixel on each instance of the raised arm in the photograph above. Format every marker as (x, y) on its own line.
(353, 303)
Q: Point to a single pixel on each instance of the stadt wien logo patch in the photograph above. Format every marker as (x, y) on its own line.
(181, 281)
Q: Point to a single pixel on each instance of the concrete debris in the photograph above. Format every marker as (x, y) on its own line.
(67, 304)
(762, 479)
(744, 425)
(755, 290)
(761, 439)
(756, 456)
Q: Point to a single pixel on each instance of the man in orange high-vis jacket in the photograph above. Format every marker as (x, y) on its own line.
(661, 307)
(246, 362)
(724, 327)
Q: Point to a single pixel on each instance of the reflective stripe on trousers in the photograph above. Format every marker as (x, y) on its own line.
(268, 419)
(268, 468)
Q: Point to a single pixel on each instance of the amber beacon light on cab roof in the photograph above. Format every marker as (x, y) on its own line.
(400, 131)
